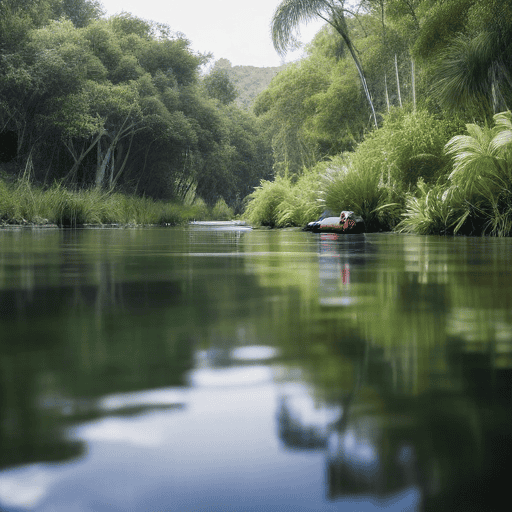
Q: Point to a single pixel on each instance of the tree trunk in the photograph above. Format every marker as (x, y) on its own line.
(365, 86)
(78, 159)
(113, 180)
(100, 171)
(384, 40)
(339, 28)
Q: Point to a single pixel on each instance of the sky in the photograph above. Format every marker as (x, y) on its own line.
(235, 30)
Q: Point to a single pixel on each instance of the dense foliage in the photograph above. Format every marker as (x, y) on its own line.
(370, 120)
(424, 70)
(119, 103)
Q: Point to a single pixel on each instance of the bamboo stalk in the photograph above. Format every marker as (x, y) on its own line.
(386, 89)
(413, 85)
(398, 82)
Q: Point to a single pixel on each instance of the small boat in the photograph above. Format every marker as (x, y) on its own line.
(347, 222)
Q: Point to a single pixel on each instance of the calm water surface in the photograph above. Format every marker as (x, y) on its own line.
(227, 369)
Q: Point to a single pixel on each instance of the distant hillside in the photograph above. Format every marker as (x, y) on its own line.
(249, 80)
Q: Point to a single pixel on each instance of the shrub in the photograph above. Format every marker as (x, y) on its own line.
(199, 210)
(430, 210)
(263, 203)
(409, 146)
(482, 173)
(477, 197)
(301, 205)
(361, 190)
(221, 211)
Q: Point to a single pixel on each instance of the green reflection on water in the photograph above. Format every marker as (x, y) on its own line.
(410, 335)
(413, 337)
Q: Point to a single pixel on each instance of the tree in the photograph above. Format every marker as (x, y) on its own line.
(80, 12)
(118, 103)
(219, 86)
(471, 57)
(285, 108)
(291, 13)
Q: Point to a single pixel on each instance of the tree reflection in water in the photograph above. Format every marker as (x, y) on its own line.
(52, 374)
(451, 439)
(404, 354)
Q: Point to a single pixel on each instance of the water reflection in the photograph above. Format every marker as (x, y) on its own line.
(230, 369)
(303, 421)
(398, 431)
(339, 257)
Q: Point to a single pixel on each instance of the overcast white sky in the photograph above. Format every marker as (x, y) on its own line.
(235, 30)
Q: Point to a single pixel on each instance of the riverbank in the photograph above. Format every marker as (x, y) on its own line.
(415, 174)
(23, 204)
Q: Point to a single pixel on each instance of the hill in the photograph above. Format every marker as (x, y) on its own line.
(249, 80)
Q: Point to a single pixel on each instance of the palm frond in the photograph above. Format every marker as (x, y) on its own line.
(288, 16)
(503, 120)
(473, 157)
(463, 72)
(502, 141)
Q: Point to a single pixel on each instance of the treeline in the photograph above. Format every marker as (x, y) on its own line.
(392, 115)
(119, 104)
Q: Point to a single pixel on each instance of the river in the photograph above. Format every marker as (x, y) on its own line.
(218, 368)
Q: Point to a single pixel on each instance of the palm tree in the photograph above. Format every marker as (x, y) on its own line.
(482, 157)
(474, 69)
(482, 173)
(290, 14)
(472, 73)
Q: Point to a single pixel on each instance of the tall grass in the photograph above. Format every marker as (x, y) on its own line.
(431, 210)
(301, 205)
(347, 186)
(23, 203)
(281, 203)
(263, 203)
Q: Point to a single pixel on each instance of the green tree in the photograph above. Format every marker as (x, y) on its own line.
(80, 12)
(219, 86)
(18, 17)
(285, 108)
(339, 113)
(252, 160)
(117, 103)
(291, 13)
(474, 68)
(56, 61)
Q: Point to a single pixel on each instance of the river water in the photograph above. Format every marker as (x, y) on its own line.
(219, 368)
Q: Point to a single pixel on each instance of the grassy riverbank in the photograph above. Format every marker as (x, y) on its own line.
(374, 180)
(23, 204)
(416, 174)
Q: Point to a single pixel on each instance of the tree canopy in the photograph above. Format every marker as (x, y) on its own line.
(119, 102)
(451, 58)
